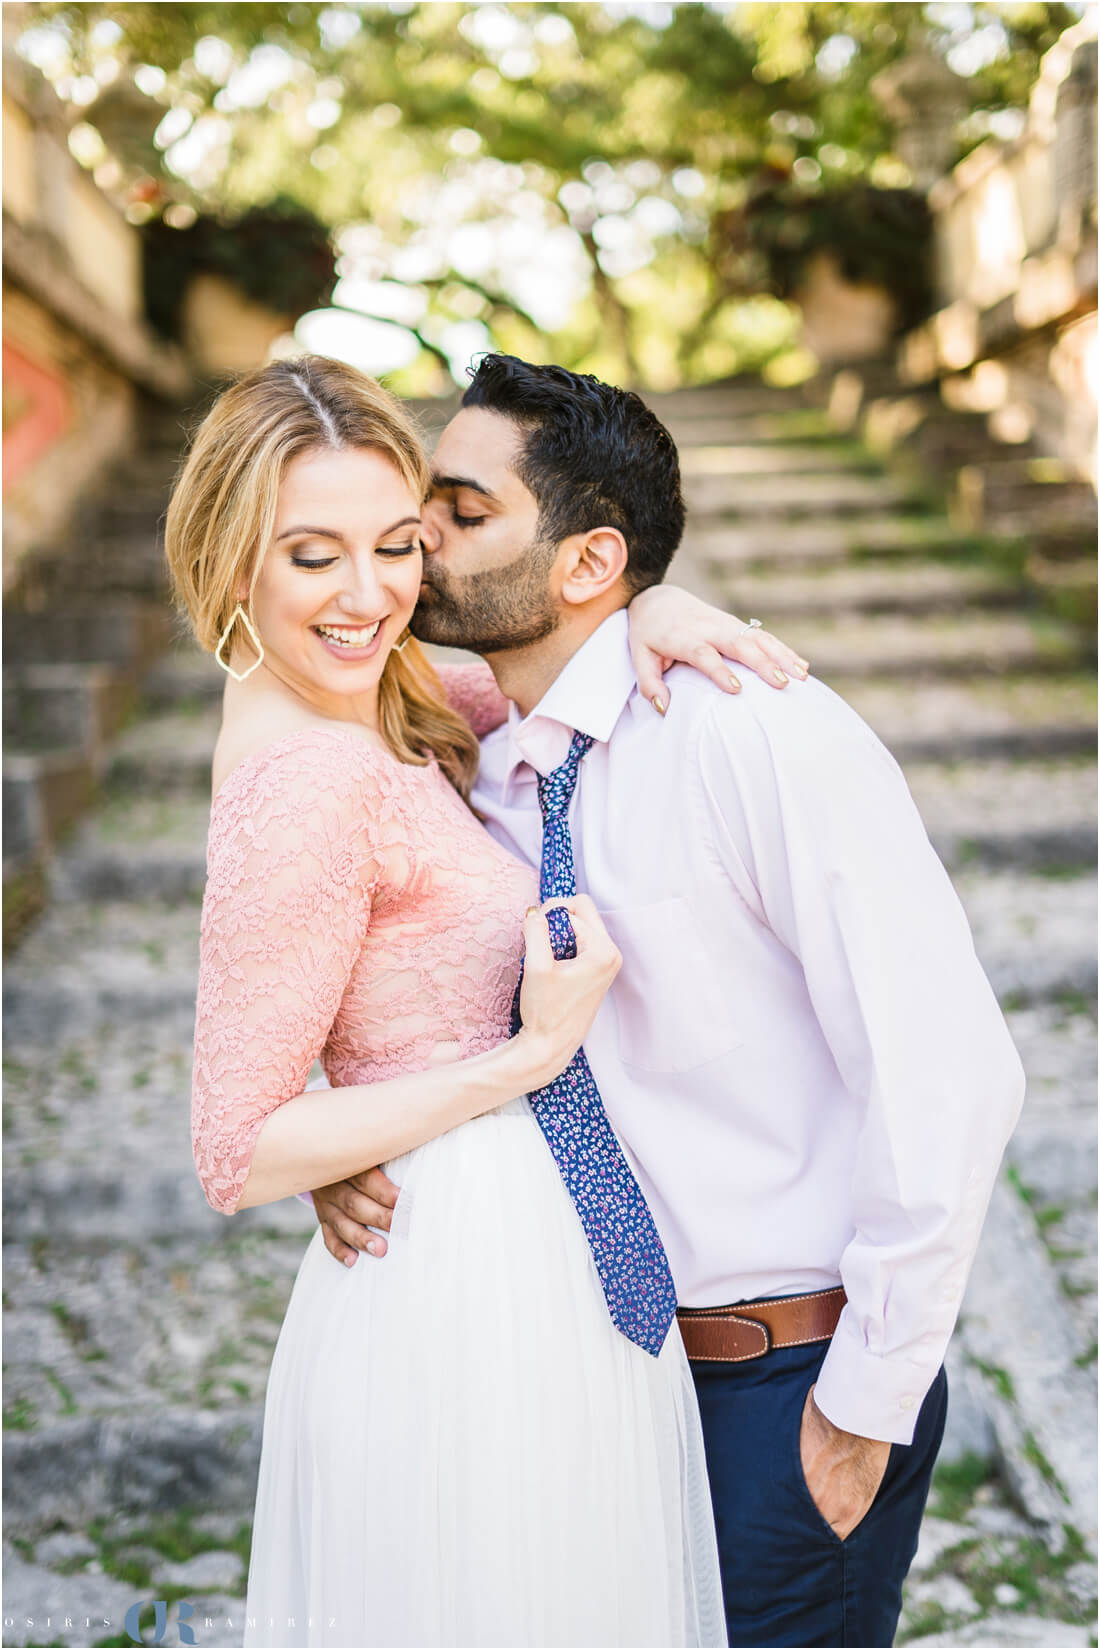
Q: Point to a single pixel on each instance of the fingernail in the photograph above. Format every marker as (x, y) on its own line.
(532, 911)
(658, 704)
(372, 1248)
(780, 677)
(349, 1260)
(735, 685)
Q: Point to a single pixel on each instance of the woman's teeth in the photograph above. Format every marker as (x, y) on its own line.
(348, 638)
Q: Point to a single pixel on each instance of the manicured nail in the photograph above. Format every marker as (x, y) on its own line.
(781, 678)
(372, 1248)
(658, 704)
(735, 685)
(349, 1260)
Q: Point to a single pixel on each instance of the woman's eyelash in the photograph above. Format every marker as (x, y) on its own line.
(387, 550)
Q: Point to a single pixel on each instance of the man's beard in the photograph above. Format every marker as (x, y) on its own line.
(492, 611)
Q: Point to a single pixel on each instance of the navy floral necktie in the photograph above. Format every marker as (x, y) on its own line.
(626, 1247)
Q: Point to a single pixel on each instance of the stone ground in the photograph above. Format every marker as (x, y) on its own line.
(140, 1325)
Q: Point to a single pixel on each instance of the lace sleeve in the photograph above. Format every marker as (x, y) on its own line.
(472, 691)
(290, 875)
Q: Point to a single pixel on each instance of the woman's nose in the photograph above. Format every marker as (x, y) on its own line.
(362, 594)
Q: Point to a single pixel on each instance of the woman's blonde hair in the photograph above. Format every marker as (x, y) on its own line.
(222, 518)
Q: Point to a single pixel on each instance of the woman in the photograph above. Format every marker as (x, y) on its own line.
(545, 1476)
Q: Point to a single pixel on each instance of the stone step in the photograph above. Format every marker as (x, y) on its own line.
(94, 963)
(58, 706)
(1011, 480)
(43, 793)
(183, 677)
(136, 1366)
(727, 458)
(135, 847)
(135, 1459)
(849, 587)
(933, 645)
(732, 545)
(980, 716)
(1053, 1151)
(739, 400)
(1017, 1331)
(137, 497)
(98, 1567)
(97, 1136)
(124, 632)
(169, 754)
(129, 561)
(1038, 815)
(767, 497)
(762, 429)
(1035, 935)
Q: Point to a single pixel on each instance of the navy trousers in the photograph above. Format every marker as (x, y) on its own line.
(787, 1577)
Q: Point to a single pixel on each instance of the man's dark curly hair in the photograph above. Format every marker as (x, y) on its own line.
(592, 456)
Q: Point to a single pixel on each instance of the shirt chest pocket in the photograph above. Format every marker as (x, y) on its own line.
(668, 998)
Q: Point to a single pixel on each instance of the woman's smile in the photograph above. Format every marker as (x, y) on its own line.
(348, 642)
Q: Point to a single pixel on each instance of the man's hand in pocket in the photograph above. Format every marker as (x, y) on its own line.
(347, 1209)
(843, 1471)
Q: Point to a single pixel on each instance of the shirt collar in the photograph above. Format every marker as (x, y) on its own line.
(588, 696)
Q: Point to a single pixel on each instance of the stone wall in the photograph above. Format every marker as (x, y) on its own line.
(1016, 336)
(77, 353)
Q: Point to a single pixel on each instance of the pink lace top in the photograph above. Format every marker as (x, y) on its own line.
(355, 910)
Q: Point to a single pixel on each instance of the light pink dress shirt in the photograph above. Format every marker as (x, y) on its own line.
(802, 1057)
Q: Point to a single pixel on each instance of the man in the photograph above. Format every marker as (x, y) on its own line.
(801, 1056)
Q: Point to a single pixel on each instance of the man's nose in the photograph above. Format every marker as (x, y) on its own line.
(430, 536)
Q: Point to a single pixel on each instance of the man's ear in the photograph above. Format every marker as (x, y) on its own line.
(594, 563)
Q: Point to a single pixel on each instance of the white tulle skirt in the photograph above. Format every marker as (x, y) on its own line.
(460, 1449)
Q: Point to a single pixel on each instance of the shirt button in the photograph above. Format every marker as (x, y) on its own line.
(907, 1402)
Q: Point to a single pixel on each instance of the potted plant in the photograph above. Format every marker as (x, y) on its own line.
(856, 260)
(227, 287)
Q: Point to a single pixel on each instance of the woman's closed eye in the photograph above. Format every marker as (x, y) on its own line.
(395, 550)
(400, 549)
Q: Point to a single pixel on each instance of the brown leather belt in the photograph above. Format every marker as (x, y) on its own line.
(732, 1334)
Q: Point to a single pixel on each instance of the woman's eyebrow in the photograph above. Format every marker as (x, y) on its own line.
(331, 533)
(453, 483)
(314, 532)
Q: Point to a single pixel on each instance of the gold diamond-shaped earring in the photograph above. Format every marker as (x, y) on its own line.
(240, 675)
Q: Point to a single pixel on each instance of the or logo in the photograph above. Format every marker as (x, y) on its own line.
(132, 1622)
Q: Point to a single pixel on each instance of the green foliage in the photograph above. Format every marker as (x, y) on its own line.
(638, 138)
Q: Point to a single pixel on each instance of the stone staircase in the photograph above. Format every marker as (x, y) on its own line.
(140, 1324)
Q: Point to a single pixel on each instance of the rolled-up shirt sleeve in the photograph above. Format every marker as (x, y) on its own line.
(813, 820)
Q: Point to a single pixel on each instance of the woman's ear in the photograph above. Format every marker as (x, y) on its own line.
(598, 562)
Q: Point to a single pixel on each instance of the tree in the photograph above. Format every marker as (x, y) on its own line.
(460, 149)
